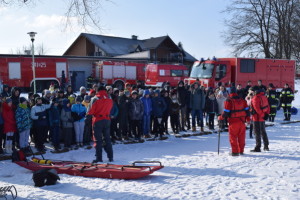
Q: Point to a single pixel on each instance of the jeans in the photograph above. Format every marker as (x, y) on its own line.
(199, 115)
(146, 124)
(23, 139)
(55, 135)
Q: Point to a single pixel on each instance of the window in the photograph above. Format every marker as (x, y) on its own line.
(247, 66)
(185, 72)
(176, 73)
(14, 70)
(164, 72)
(220, 72)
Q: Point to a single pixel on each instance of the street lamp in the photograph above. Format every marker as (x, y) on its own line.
(32, 35)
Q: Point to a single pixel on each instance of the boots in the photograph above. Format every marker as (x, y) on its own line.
(202, 130)
(193, 129)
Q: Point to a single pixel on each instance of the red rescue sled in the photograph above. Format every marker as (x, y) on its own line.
(85, 169)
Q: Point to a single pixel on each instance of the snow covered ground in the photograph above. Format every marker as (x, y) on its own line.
(193, 170)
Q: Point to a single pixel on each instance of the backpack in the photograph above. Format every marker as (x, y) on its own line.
(44, 177)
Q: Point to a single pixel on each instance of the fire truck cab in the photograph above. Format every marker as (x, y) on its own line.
(241, 70)
(158, 74)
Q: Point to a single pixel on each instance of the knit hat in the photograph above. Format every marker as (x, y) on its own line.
(8, 100)
(87, 98)
(78, 99)
(22, 99)
(82, 88)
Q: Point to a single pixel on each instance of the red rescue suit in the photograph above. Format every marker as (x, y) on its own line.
(237, 112)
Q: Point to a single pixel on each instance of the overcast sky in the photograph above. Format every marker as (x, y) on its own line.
(198, 24)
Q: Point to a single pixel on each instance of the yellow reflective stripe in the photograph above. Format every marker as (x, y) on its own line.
(274, 106)
(288, 92)
(283, 92)
(273, 96)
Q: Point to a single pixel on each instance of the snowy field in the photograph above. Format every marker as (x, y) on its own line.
(193, 170)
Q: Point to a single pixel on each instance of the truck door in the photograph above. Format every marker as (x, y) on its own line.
(222, 73)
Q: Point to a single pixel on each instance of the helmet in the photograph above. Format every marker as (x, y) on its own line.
(294, 111)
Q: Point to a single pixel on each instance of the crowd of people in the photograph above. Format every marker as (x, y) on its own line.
(106, 114)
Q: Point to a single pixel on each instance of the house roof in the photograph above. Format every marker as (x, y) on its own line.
(117, 46)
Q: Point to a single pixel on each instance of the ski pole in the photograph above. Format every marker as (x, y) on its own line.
(219, 133)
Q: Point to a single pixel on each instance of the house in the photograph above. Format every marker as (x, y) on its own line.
(155, 49)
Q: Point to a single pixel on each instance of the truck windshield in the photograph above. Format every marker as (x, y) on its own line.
(202, 70)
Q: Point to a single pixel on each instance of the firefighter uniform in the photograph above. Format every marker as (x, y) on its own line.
(286, 98)
(90, 81)
(273, 102)
(237, 111)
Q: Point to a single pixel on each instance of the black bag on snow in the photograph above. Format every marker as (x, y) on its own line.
(44, 177)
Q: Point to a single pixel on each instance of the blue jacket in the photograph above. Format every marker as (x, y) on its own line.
(54, 116)
(159, 106)
(23, 119)
(80, 110)
(147, 102)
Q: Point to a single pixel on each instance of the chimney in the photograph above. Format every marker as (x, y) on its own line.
(134, 37)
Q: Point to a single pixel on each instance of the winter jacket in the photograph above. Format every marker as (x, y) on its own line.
(197, 100)
(286, 96)
(65, 115)
(123, 108)
(9, 119)
(54, 116)
(39, 114)
(147, 102)
(23, 119)
(158, 106)
(259, 107)
(78, 112)
(220, 100)
(174, 106)
(182, 94)
(211, 105)
(168, 104)
(136, 109)
(236, 109)
(102, 107)
(114, 111)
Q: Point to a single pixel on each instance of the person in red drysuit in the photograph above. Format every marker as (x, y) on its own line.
(237, 112)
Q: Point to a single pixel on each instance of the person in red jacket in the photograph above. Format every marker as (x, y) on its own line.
(10, 126)
(100, 110)
(260, 110)
(237, 112)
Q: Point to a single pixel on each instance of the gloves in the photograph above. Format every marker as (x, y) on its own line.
(266, 116)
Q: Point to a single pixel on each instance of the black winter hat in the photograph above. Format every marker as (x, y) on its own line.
(134, 92)
(22, 99)
(78, 99)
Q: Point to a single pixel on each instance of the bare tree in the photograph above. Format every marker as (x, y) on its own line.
(39, 49)
(87, 12)
(262, 27)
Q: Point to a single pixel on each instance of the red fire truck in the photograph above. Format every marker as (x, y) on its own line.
(17, 71)
(241, 70)
(118, 73)
(158, 74)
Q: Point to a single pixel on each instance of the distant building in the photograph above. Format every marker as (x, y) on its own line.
(158, 49)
